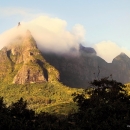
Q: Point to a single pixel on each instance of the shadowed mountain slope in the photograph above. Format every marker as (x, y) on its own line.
(78, 71)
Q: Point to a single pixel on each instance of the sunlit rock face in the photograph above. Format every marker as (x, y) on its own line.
(29, 74)
(22, 59)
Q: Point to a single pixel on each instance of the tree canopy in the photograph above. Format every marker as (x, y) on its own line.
(104, 106)
(107, 107)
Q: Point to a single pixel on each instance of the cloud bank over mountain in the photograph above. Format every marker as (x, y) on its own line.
(109, 50)
(50, 34)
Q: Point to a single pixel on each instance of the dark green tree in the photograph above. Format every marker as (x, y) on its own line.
(107, 108)
(19, 110)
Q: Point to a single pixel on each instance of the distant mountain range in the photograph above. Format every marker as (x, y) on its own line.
(23, 63)
(79, 70)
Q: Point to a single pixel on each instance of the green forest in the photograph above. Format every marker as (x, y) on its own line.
(103, 106)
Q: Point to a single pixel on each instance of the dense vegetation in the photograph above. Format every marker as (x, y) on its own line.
(47, 97)
(106, 107)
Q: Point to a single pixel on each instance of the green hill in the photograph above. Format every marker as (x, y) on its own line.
(47, 80)
(41, 97)
(25, 73)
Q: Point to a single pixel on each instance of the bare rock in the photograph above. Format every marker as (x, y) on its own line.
(29, 74)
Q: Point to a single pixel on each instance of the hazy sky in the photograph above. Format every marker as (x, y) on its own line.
(105, 24)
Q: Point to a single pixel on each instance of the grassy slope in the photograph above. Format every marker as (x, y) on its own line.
(41, 97)
(51, 96)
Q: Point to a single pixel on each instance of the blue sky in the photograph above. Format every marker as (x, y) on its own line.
(103, 20)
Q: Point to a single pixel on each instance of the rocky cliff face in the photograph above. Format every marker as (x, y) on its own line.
(22, 62)
(78, 71)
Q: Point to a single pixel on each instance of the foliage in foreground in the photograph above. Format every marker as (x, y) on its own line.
(17, 116)
(106, 108)
(41, 97)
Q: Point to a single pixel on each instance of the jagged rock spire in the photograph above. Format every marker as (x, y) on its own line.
(19, 24)
(22, 57)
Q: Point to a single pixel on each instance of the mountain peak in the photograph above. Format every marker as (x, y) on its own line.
(122, 57)
(87, 50)
(22, 60)
(28, 34)
(122, 53)
(28, 41)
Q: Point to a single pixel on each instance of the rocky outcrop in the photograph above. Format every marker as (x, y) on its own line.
(29, 74)
(22, 61)
(87, 50)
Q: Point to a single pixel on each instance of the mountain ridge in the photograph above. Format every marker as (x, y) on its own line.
(48, 80)
(79, 70)
(24, 63)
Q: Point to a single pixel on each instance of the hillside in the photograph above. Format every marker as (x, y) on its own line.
(22, 62)
(47, 80)
(25, 73)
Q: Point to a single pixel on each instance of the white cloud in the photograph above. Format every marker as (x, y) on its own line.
(109, 50)
(79, 31)
(50, 34)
